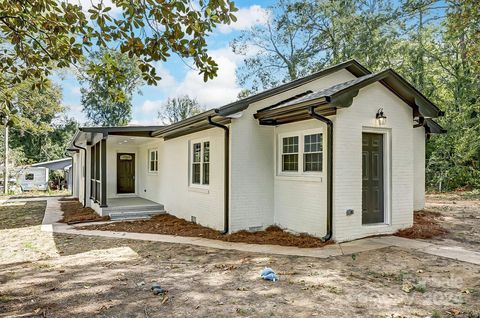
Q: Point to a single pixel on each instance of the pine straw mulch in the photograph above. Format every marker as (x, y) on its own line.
(74, 212)
(171, 225)
(426, 225)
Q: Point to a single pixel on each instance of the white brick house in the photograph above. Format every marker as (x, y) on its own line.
(339, 153)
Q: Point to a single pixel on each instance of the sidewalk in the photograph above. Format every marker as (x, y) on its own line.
(53, 214)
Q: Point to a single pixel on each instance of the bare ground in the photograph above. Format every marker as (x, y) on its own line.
(78, 276)
(460, 215)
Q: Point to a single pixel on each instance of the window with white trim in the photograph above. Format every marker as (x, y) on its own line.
(301, 153)
(312, 153)
(200, 161)
(152, 160)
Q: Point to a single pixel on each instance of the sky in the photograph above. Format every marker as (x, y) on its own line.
(178, 79)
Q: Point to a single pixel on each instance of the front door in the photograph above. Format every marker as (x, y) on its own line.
(125, 173)
(373, 209)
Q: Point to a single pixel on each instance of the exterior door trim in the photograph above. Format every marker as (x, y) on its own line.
(387, 172)
(135, 193)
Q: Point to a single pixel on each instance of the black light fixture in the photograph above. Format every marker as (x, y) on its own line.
(381, 118)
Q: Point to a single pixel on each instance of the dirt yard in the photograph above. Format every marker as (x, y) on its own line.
(45, 275)
(460, 216)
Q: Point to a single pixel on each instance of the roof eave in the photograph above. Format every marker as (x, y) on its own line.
(352, 66)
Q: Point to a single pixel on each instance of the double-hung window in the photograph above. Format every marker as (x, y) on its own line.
(152, 160)
(301, 153)
(200, 161)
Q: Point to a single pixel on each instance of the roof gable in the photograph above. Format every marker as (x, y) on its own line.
(352, 66)
(341, 95)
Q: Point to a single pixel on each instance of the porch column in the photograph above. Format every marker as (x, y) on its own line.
(103, 176)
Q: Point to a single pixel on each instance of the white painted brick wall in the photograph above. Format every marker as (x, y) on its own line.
(170, 186)
(253, 197)
(301, 201)
(348, 125)
(419, 168)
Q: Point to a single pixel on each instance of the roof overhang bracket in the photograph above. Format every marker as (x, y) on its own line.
(420, 122)
(344, 99)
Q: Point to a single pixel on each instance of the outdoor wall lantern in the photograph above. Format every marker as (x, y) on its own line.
(381, 118)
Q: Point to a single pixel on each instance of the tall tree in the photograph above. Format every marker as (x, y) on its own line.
(36, 122)
(433, 44)
(303, 36)
(37, 36)
(179, 108)
(454, 158)
(109, 79)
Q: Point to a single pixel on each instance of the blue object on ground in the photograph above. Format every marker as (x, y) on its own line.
(268, 274)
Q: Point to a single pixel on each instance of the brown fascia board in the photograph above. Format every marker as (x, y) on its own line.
(400, 87)
(141, 131)
(352, 66)
(184, 123)
(342, 94)
(122, 129)
(432, 127)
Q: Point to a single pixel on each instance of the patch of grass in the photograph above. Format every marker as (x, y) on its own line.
(421, 287)
(5, 298)
(29, 245)
(436, 314)
(242, 311)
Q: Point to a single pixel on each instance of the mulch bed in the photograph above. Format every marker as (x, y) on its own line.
(425, 226)
(74, 212)
(171, 225)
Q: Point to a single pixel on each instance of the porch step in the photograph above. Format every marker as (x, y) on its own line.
(133, 208)
(135, 215)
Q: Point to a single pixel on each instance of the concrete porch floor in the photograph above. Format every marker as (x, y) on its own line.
(129, 202)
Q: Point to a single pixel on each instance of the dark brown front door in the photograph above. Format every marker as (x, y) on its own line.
(373, 210)
(125, 173)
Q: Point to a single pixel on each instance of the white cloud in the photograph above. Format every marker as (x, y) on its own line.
(146, 122)
(246, 18)
(168, 81)
(218, 91)
(76, 111)
(151, 106)
(213, 93)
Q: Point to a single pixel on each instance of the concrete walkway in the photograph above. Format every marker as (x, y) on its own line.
(53, 214)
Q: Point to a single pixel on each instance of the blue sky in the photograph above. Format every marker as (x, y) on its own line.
(178, 78)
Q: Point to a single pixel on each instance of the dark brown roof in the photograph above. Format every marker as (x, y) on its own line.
(422, 106)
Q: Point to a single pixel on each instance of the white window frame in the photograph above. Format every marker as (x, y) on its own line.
(200, 185)
(150, 160)
(301, 151)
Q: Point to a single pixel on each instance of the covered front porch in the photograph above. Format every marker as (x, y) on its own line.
(115, 164)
